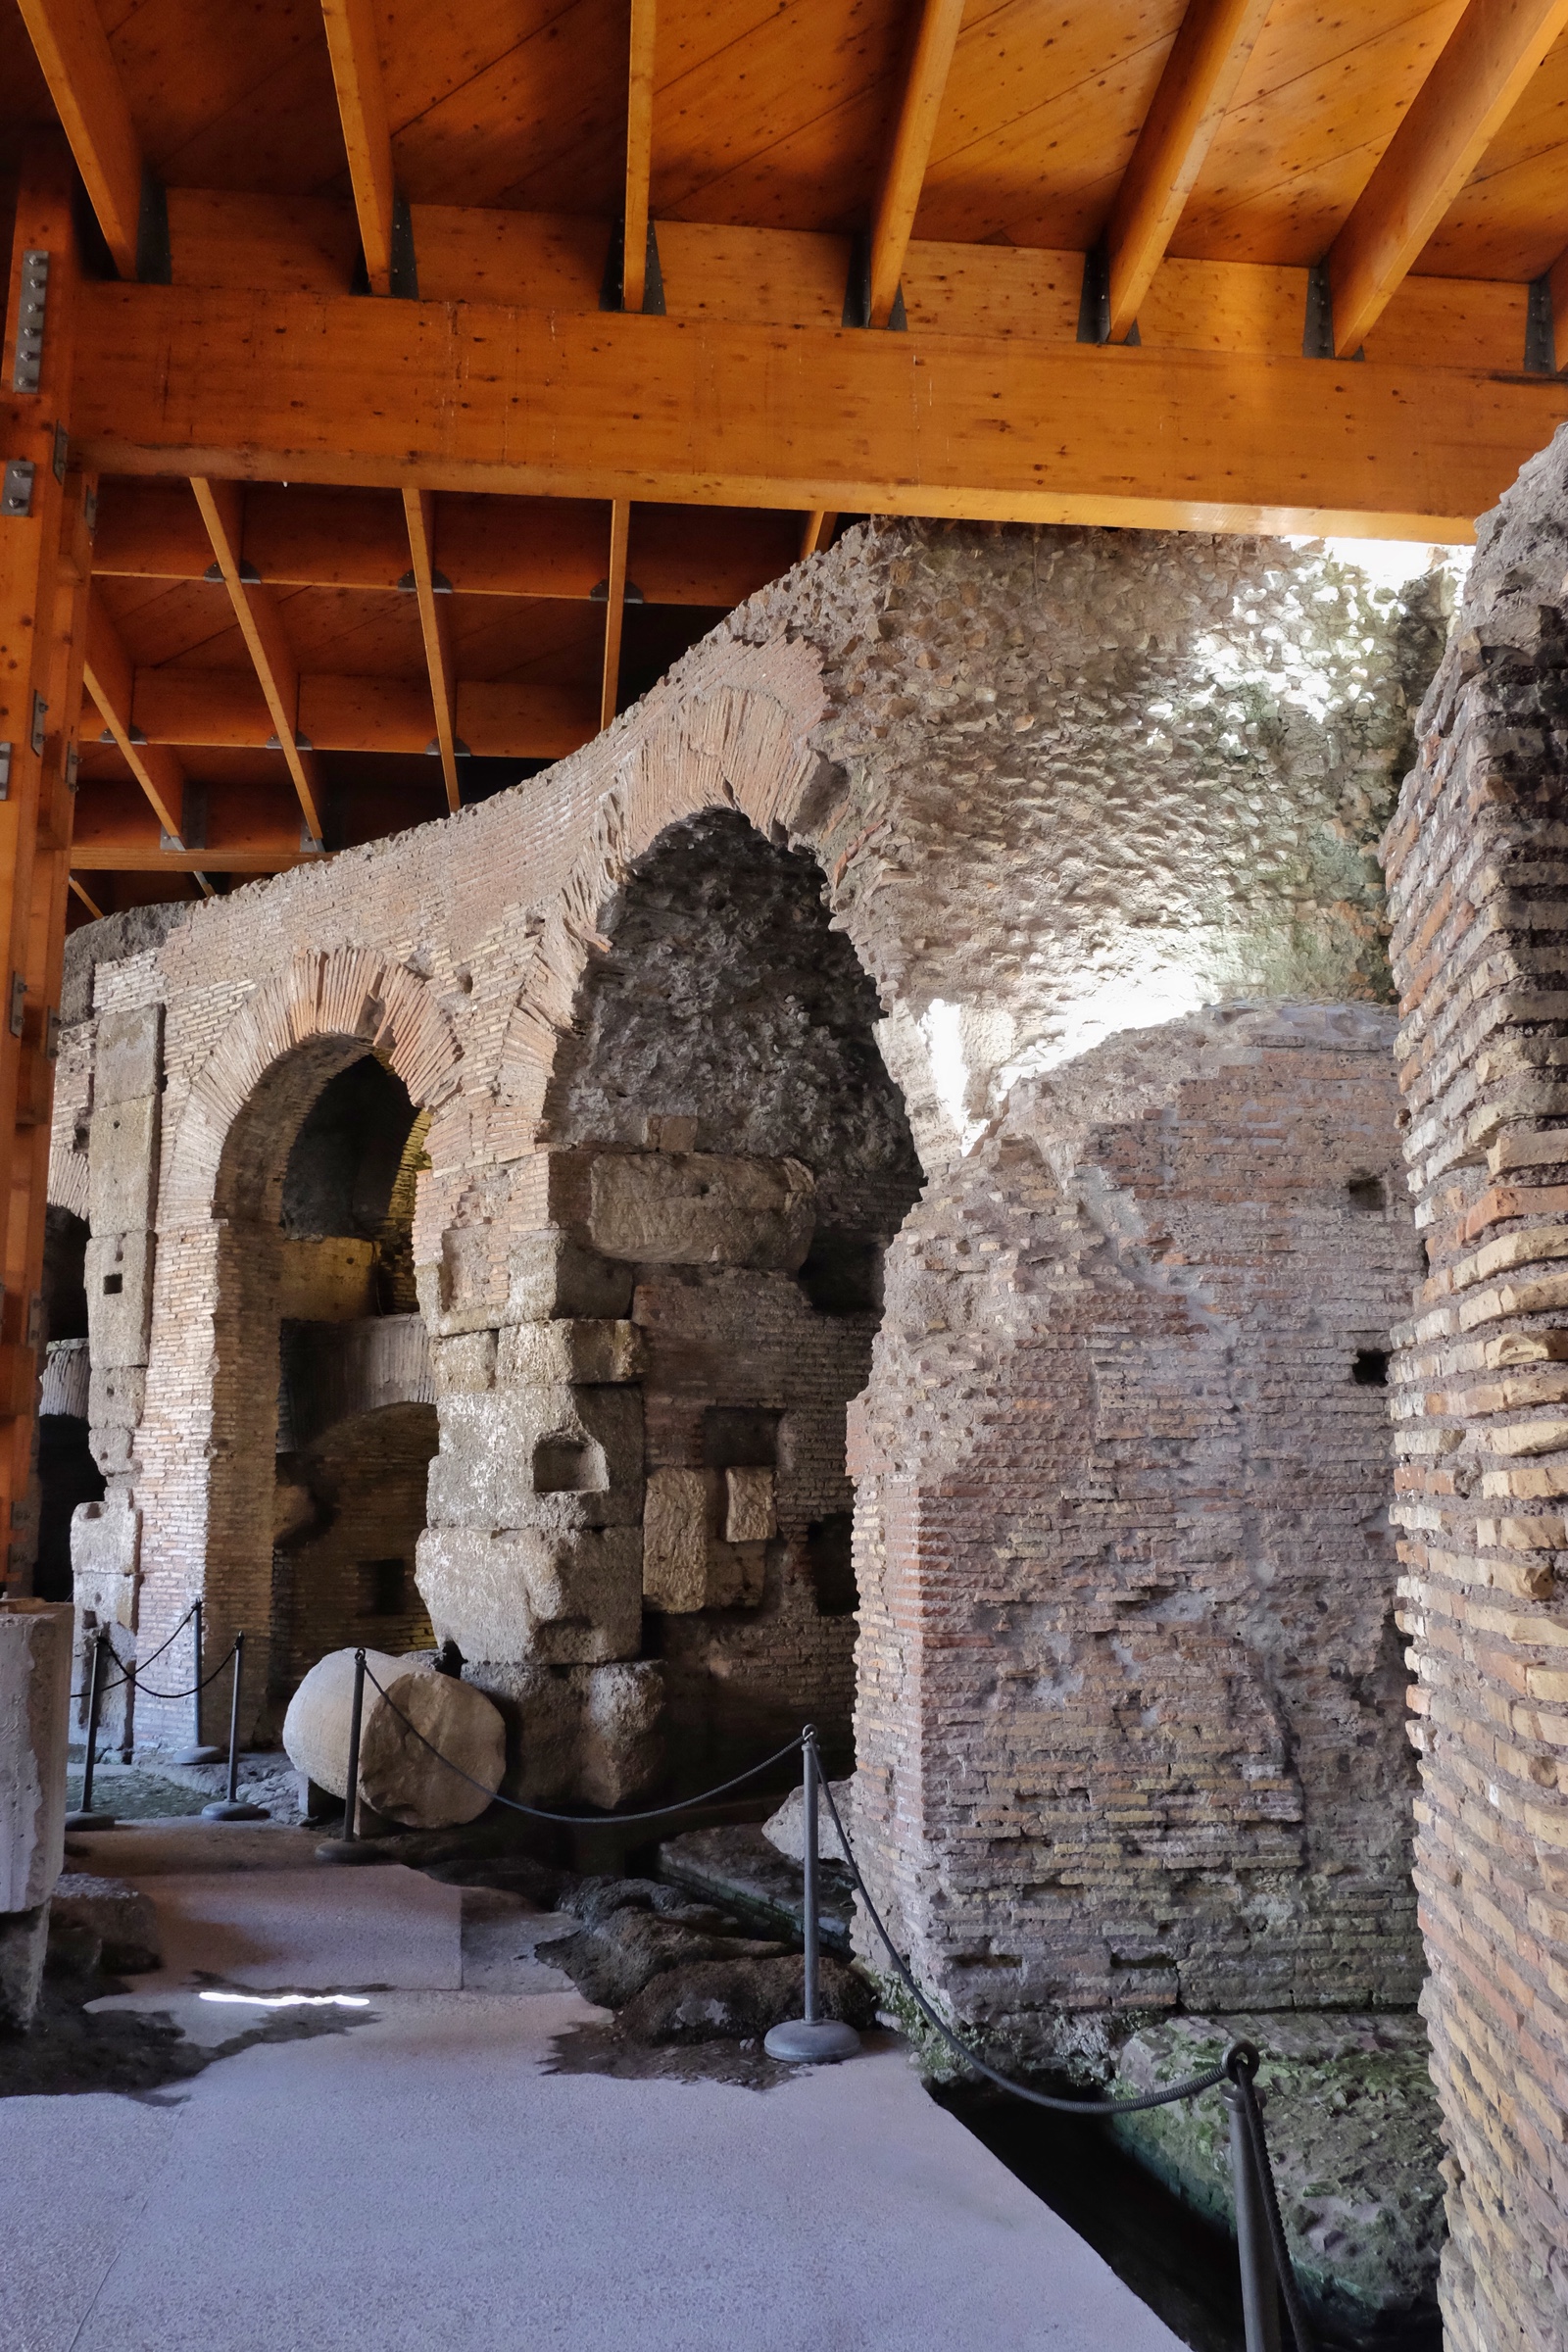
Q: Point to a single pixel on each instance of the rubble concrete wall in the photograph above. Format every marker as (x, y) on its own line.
(1067, 791)
(1476, 866)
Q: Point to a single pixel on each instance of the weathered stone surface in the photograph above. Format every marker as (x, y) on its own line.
(567, 1597)
(120, 1298)
(400, 1778)
(127, 1055)
(740, 2000)
(739, 1869)
(123, 1165)
(23, 1947)
(634, 1928)
(550, 1457)
(35, 1661)
(568, 1349)
(620, 1746)
(675, 1540)
(785, 1830)
(541, 1707)
(749, 1516)
(550, 1274)
(116, 1395)
(1351, 2121)
(105, 1559)
(464, 1364)
(700, 1208)
(117, 1916)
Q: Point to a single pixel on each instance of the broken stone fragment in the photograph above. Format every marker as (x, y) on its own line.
(700, 1208)
(400, 1777)
(114, 1915)
(621, 1747)
(550, 1274)
(742, 1999)
(785, 1830)
(686, 1566)
(748, 1514)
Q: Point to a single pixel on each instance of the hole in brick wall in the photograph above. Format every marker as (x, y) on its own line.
(113, 1284)
(383, 1587)
(830, 1563)
(740, 1436)
(1367, 1193)
(1370, 1369)
(569, 1466)
(842, 1276)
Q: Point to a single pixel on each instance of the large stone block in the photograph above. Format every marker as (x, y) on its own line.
(702, 1208)
(541, 1707)
(553, 1457)
(688, 1562)
(750, 1515)
(123, 1165)
(127, 1060)
(463, 1365)
(575, 1349)
(620, 1746)
(116, 1395)
(106, 1560)
(120, 1298)
(550, 1274)
(36, 1647)
(589, 1734)
(561, 1600)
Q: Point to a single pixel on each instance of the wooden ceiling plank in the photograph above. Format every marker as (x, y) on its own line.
(1479, 77)
(639, 154)
(355, 52)
(224, 711)
(90, 100)
(223, 509)
(898, 198)
(614, 609)
(110, 682)
(419, 507)
(1211, 51)
(477, 398)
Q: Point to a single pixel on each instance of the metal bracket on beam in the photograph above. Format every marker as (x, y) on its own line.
(16, 498)
(439, 583)
(73, 768)
(5, 772)
(310, 844)
(31, 303)
(89, 508)
(611, 292)
(40, 711)
(631, 594)
(19, 1004)
(857, 291)
(135, 734)
(302, 743)
(459, 749)
(62, 452)
(249, 576)
(51, 1035)
(1317, 335)
(1094, 302)
(192, 834)
(1541, 330)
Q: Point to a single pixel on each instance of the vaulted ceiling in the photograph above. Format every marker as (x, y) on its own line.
(450, 365)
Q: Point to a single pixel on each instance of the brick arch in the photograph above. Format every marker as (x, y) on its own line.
(349, 996)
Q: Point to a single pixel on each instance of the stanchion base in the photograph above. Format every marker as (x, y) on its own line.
(239, 1810)
(201, 1755)
(92, 1821)
(358, 1849)
(811, 2041)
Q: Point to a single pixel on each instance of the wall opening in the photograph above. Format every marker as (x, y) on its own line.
(66, 1471)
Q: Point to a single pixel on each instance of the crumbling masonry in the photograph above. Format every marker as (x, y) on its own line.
(935, 1042)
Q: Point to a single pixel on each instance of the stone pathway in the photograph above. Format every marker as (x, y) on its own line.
(419, 2182)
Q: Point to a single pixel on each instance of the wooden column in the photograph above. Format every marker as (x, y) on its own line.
(44, 567)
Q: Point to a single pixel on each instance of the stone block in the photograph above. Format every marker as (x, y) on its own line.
(554, 1456)
(36, 1647)
(116, 1395)
(548, 1274)
(120, 1298)
(541, 1707)
(736, 1573)
(23, 1947)
(702, 1208)
(127, 1060)
(123, 1165)
(750, 1514)
(463, 1365)
(575, 1348)
(621, 1747)
(675, 1540)
(119, 1915)
(561, 1600)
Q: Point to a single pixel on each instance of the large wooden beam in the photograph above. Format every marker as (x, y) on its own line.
(1479, 77)
(898, 201)
(614, 609)
(351, 45)
(89, 98)
(311, 388)
(219, 710)
(419, 507)
(221, 505)
(1215, 41)
(639, 154)
(110, 682)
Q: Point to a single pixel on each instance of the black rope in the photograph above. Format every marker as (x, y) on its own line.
(144, 1693)
(120, 1681)
(684, 1804)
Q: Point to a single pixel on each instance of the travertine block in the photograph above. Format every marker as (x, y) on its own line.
(127, 1062)
(675, 1541)
(575, 1349)
(550, 1274)
(620, 1745)
(120, 1298)
(35, 1657)
(464, 1364)
(106, 1558)
(116, 1395)
(700, 1208)
(541, 1707)
(750, 1515)
(542, 1456)
(562, 1599)
(123, 1165)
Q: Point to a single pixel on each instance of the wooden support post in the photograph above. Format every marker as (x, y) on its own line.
(44, 562)
(110, 682)
(639, 156)
(419, 506)
(262, 627)
(614, 608)
(818, 534)
(87, 899)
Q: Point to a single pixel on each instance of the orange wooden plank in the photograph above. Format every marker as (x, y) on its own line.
(111, 683)
(353, 46)
(639, 154)
(85, 85)
(935, 37)
(221, 507)
(419, 507)
(614, 609)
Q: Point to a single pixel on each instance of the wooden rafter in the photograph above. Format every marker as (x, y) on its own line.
(935, 37)
(818, 534)
(1478, 80)
(226, 711)
(110, 682)
(614, 609)
(260, 625)
(1204, 65)
(419, 507)
(85, 83)
(303, 389)
(86, 898)
(351, 45)
(639, 154)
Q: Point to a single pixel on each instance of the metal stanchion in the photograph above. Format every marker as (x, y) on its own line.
(1260, 2287)
(84, 1818)
(811, 2039)
(200, 1752)
(229, 1808)
(351, 1847)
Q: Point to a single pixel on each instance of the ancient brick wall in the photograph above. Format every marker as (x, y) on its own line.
(1476, 875)
(1066, 790)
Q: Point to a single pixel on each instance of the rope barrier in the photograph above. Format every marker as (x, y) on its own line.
(133, 1680)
